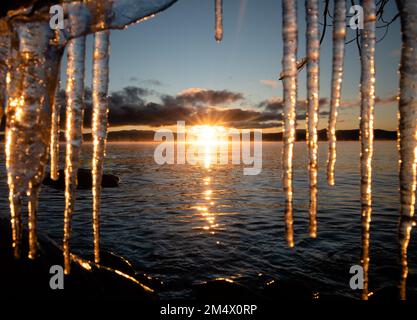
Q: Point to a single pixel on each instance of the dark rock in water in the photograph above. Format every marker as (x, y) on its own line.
(84, 180)
(224, 290)
(25, 279)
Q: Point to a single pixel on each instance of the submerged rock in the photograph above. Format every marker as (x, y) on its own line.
(84, 180)
(25, 279)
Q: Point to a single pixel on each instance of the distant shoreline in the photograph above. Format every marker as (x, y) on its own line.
(148, 136)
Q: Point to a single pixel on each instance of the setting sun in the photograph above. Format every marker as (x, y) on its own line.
(209, 137)
(207, 134)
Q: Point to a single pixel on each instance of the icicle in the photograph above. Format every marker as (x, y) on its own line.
(407, 138)
(313, 58)
(28, 124)
(367, 129)
(289, 64)
(73, 133)
(99, 125)
(55, 126)
(339, 33)
(219, 20)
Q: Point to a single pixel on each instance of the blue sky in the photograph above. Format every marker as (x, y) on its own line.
(176, 50)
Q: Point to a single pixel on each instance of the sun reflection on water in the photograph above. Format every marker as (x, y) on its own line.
(207, 139)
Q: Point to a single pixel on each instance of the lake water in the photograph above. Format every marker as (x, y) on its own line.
(187, 224)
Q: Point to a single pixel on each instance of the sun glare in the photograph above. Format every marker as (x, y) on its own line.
(207, 134)
(209, 137)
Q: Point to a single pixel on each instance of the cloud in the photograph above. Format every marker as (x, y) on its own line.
(355, 103)
(208, 97)
(147, 82)
(275, 104)
(140, 106)
(153, 82)
(270, 83)
(386, 100)
(131, 106)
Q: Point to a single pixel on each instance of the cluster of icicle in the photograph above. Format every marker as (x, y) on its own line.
(407, 131)
(73, 130)
(29, 90)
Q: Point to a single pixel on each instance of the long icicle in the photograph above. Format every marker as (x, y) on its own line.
(55, 129)
(313, 69)
(367, 129)
(219, 20)
(99, 126)
(407, 137)
(339, 35)
(28, 124)
(289, 65)
(73, 133)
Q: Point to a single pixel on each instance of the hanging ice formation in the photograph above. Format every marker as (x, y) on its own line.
(28, 121)
(339, 34)
(289, 65)
(407, 137)
(99, 125)
(73, 134)
(219, 20)
(55, 130)
(313, 58)
(32, 61)
(29, 65)
(367, 129)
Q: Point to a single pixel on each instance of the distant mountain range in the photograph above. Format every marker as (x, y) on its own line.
(342, 135)
(148, 135)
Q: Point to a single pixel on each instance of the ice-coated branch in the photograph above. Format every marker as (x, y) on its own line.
(85, 17)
